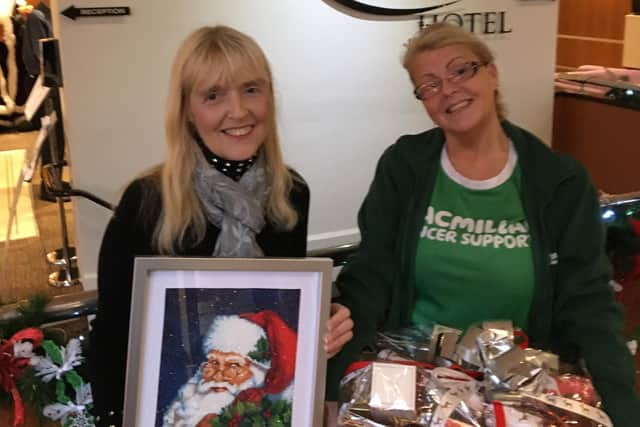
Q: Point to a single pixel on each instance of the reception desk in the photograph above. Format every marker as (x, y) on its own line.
(603, 135)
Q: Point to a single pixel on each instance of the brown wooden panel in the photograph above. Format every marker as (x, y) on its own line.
(593, 18)
(573, 53)
(604, 138)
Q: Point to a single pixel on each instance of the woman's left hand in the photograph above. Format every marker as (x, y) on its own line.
(339, 329)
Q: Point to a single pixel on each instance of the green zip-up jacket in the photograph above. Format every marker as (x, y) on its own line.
(573, 312)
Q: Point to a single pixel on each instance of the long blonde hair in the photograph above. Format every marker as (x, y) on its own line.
(223, 51)
(443, 34)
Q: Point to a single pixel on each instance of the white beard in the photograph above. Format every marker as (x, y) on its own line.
(196, 399)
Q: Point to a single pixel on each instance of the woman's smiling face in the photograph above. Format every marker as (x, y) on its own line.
(232, 118)
(458, 107)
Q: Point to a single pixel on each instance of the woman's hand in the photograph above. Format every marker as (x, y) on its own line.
(339, 329)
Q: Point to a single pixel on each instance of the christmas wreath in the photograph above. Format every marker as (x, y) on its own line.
(36, 370)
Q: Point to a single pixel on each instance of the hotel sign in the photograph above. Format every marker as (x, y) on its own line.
(428, 12)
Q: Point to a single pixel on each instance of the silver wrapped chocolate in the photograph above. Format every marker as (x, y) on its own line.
(467, 353)
(386, 394)
(410, 343)
(440, 396)
(519, 386)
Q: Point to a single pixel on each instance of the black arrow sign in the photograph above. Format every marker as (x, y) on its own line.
(363, 7)
(73, 12)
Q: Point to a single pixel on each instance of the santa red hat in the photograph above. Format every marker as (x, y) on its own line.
(264, 338)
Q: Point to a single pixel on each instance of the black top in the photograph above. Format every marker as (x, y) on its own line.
(128, 235)
(37, 26)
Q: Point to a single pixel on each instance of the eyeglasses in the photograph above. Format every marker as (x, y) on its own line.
(456, 74)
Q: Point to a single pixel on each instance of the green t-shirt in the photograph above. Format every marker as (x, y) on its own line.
(474, 262)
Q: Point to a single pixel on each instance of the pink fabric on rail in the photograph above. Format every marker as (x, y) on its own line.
(621, 75)
(577, 87)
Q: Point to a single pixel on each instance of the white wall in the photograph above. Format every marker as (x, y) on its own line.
(342, 94)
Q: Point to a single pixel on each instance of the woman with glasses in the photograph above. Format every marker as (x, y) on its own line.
(478, 220)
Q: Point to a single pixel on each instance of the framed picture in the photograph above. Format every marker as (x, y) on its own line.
(218, 342)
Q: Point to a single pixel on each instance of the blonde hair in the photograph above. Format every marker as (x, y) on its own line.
(224, 52)
(443, 34)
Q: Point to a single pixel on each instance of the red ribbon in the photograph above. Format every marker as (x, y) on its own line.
(12, 368)
(521, 338)
(498, 412)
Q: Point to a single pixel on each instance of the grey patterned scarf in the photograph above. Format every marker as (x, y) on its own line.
(236, 208)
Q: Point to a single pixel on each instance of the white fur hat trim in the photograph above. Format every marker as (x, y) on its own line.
(233, 334)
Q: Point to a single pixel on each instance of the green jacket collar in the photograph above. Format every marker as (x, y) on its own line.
(537, 161)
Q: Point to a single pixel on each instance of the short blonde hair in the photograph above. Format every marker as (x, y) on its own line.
(222, 53)
(443, 34)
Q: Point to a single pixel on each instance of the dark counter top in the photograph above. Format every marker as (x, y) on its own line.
(624, 98)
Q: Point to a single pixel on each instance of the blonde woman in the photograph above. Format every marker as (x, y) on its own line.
(223, 190)
(478, 220)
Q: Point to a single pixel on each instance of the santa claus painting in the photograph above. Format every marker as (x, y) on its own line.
(247, 378)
